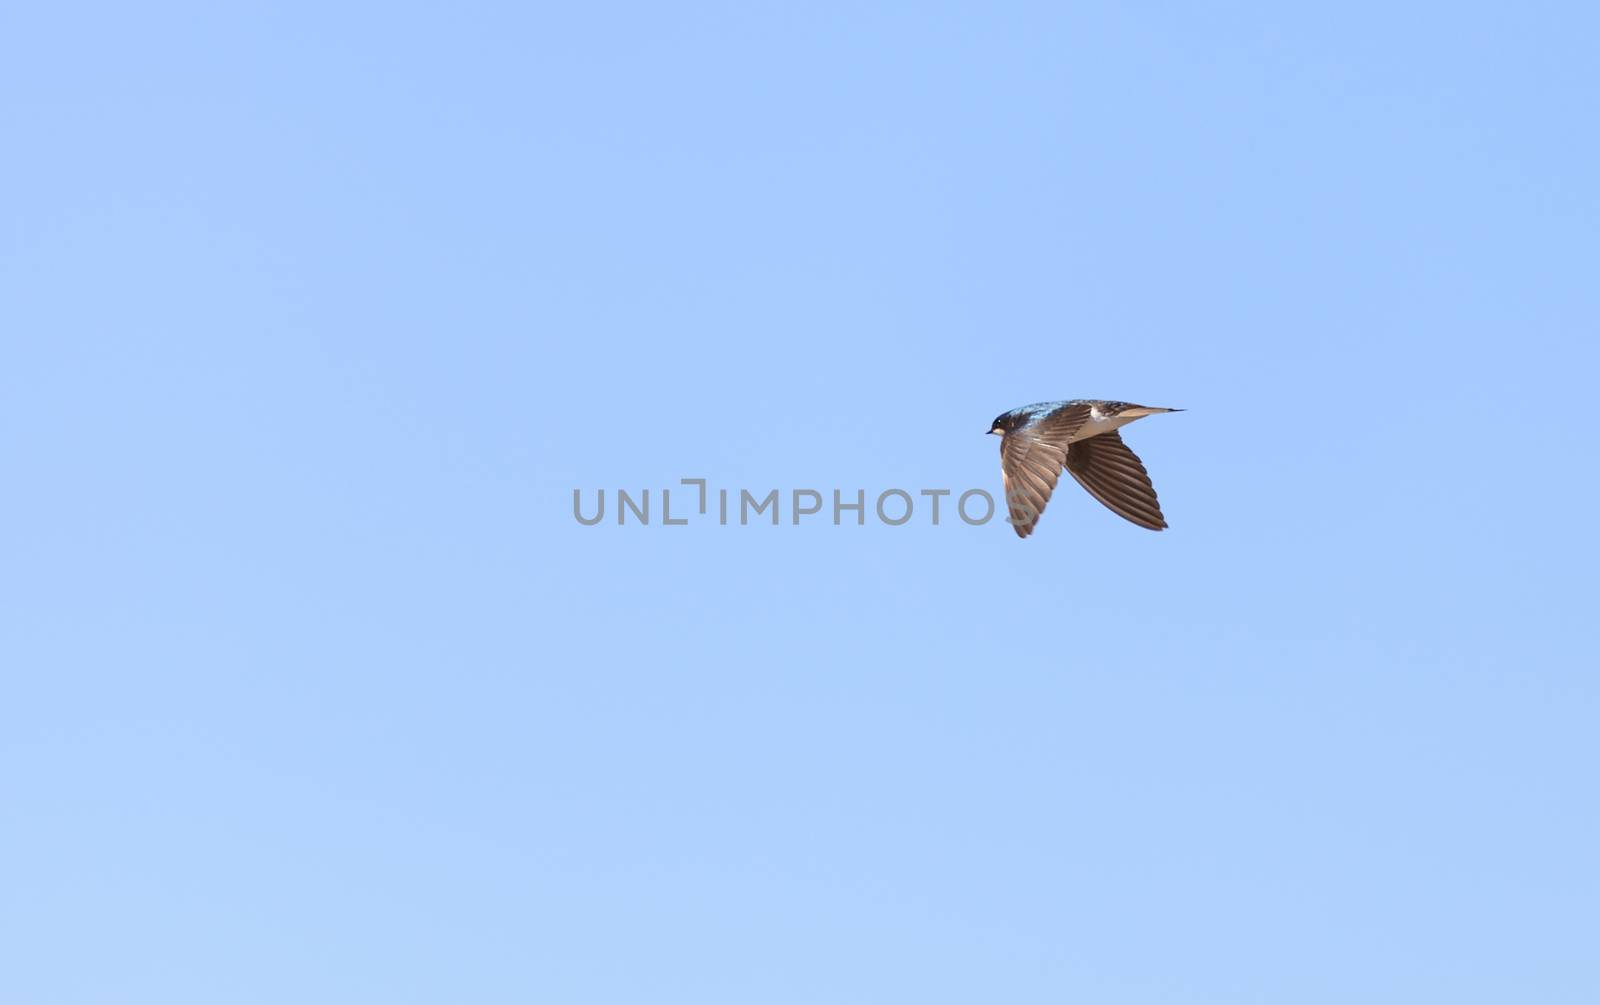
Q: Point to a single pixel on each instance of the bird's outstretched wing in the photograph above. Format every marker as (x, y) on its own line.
(1030, 463)
(1114, 475)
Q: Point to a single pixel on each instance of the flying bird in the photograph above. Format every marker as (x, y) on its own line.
(1036, 441)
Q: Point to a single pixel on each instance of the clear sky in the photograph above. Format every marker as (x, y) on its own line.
(313, 316)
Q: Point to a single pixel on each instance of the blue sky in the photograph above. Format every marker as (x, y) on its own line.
(312, 318)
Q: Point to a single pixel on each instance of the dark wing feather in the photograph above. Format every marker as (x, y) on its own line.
(1114, 475)
(1030, 462)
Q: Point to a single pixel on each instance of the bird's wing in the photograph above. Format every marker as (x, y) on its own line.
(1114, 475)
(1030, 463)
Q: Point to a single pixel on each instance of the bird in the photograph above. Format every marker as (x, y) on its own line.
(1036, 441)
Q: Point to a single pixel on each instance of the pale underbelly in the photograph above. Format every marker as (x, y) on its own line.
(1097, 424)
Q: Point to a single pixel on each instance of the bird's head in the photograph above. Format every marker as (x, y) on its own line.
(1002, 425)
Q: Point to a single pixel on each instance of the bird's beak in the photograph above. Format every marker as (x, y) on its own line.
(992, 432)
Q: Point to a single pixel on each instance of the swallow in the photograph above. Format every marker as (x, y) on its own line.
(1036, 441)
